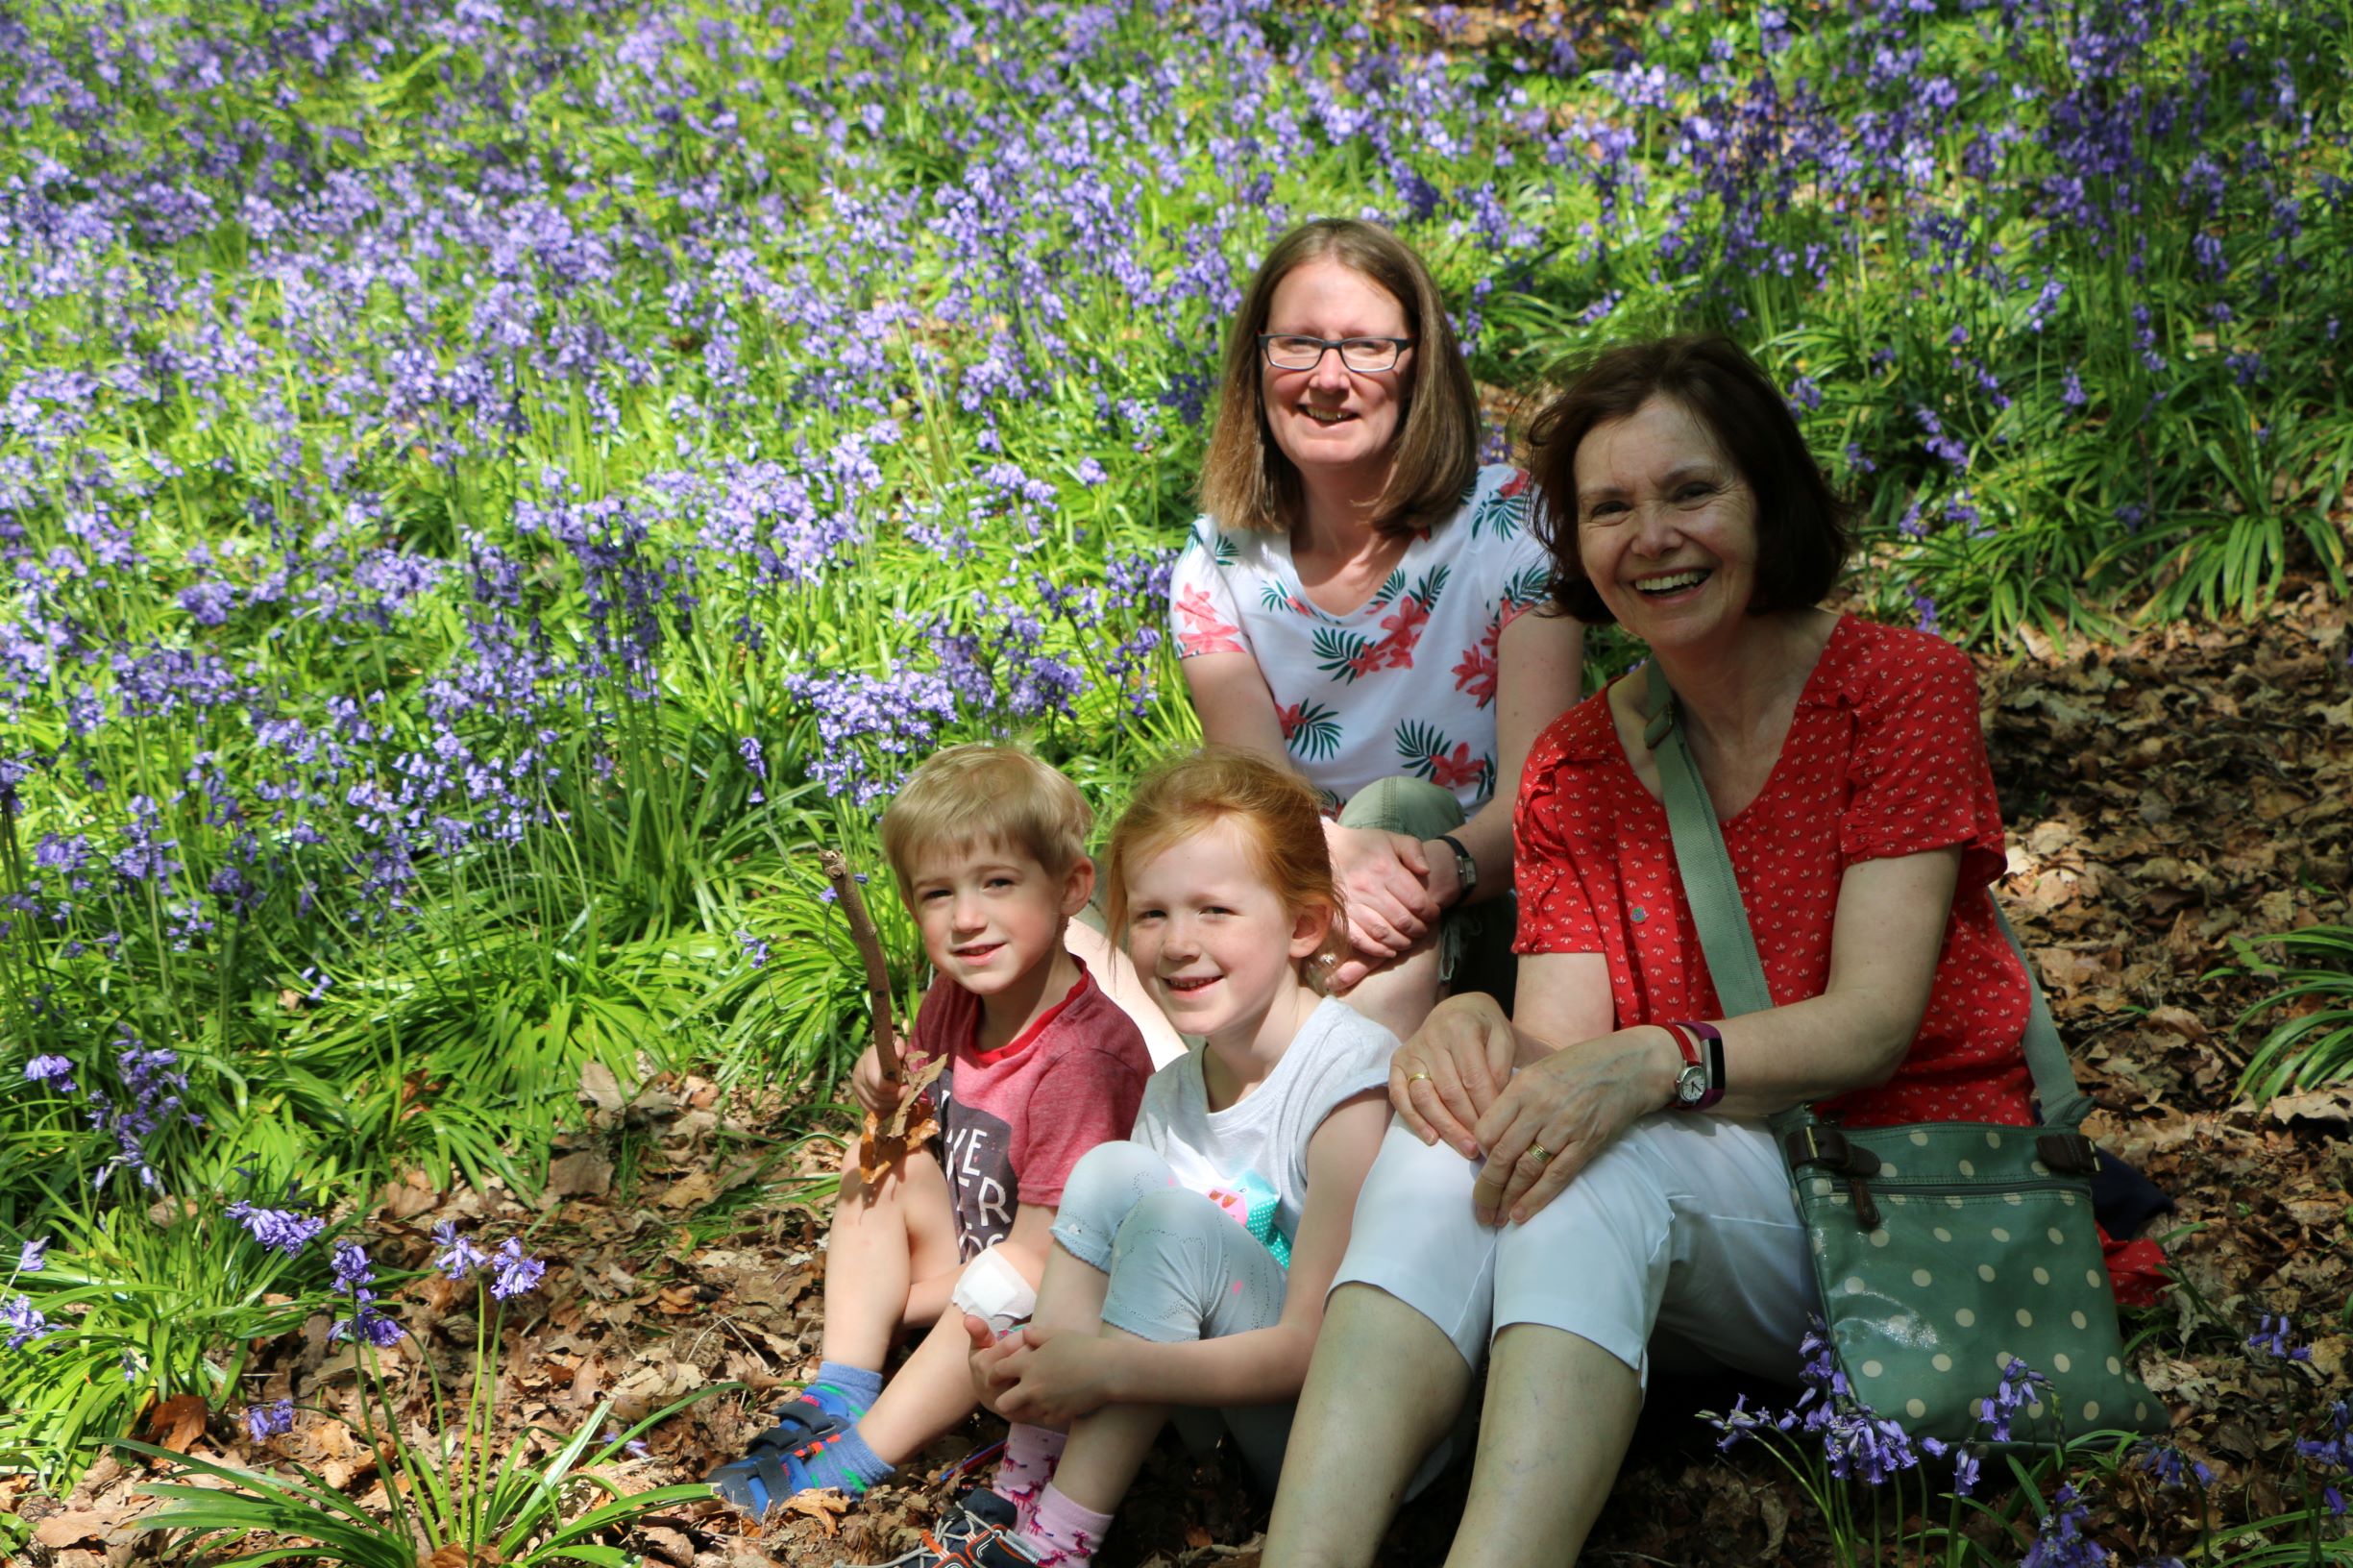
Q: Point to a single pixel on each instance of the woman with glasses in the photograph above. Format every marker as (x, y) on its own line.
(1365, 604)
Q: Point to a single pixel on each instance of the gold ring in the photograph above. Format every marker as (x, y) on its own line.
(1417, 1077)
(1544, 1156)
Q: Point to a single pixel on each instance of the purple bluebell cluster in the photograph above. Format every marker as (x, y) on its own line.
(2062, 1539)
(355, 1276)
(266, 1421)
(512, 1273)
(280, 1230)
(2333, 1452)
(2019, 1396)
(25, 1323)
(459, 1257)
(1855, 1442)
(2274, 1336)
(152, 1102)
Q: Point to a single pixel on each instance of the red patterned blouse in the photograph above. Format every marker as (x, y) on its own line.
(1884, 758)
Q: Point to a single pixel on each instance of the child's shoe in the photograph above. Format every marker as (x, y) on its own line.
(976, 1534)
(776, 1463)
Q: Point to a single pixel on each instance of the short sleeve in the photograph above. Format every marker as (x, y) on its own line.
(1556, 912)
(1918, 777)
(1089, 1097)
(1202, 612)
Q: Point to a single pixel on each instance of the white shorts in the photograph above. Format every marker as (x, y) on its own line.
(1683, 1240)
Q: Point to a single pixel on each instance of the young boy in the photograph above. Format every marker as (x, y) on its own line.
(987, 846)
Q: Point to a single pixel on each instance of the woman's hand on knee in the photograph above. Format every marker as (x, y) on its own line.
(1559, 1112)
(1385, 888)
(1445, 1078)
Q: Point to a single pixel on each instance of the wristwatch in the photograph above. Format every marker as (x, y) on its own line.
(1466, 870)
(1701, 1083)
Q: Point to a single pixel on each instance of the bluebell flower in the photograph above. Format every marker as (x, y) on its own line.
(2333, 1451)
(32, 1254)
(366, 1323)
(2273, 1338)
(54, 1070)
(24, 1322)
(265, 1421)
(460, 1256)
(279, 1230)
(2172, 1467)
(352, 1268)
(2060, 1542)
(2021, 1388)
(755, 949)
(517, 1274)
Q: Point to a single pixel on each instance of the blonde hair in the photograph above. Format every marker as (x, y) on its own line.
(1282, 818)
(1248, 483)
(974, 795)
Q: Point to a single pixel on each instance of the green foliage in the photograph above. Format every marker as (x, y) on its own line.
(142, 1306)
(2310, 1044)
(521, 1513)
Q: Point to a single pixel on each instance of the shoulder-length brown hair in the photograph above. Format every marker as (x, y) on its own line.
(1247, 482)
(1803, 535)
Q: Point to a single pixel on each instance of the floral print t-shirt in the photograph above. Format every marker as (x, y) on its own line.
(1406, 684)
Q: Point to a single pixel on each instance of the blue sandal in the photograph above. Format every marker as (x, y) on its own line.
(773, 1468)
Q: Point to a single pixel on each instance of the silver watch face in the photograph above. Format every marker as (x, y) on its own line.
(1691, 1083)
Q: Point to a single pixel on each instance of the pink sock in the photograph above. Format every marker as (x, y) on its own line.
(1062, 1535)
(1031, 1453)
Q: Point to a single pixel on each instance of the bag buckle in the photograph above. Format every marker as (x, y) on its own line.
(2071, 1154)
(1829, 1148)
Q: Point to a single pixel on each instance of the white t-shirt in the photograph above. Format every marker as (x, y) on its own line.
(1337, 1053)
(1407, 683)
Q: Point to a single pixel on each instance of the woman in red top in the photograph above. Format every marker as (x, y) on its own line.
(1534, 1202)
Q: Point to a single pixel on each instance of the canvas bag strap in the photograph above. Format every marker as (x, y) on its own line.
(1729, 946)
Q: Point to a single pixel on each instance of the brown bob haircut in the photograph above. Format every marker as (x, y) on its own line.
(1247, 483)
(1279, 813)
(1803, 535)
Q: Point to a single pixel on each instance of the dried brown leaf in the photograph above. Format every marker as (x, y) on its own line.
(177, 1422)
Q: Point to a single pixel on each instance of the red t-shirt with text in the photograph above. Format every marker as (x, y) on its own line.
(1013, 1122)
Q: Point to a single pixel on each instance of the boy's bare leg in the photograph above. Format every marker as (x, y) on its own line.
(933, 1391)
(890, 1259)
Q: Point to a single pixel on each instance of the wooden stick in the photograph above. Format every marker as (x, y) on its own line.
(836, 866)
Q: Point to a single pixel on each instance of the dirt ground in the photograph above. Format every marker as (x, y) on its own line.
(2163, 797)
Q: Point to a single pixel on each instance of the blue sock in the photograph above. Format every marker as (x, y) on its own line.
(848, 1464)
(854, 1389)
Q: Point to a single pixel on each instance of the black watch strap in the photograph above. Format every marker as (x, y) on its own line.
(1466, 865)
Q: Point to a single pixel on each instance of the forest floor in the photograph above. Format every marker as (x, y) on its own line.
(2163, 797)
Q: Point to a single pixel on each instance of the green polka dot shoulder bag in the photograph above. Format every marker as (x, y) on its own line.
(1944, 1250)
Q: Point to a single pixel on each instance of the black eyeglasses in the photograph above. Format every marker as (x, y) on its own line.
(1364, 355)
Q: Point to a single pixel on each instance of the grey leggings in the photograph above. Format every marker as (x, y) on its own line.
(1181, 1268)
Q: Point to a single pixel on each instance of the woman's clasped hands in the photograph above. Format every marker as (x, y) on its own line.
(1535, 1115)
(1384, 880)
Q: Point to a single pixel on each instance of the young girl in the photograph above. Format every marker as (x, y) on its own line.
(1189, 1265)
